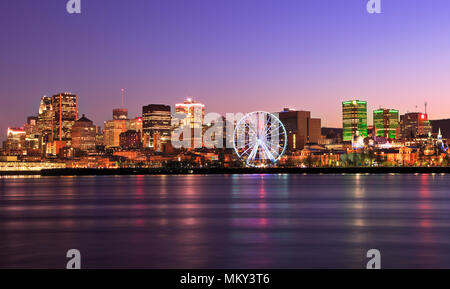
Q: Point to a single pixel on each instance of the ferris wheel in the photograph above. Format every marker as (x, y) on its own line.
(259, 139)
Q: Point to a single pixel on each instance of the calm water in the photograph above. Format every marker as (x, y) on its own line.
(226, 221)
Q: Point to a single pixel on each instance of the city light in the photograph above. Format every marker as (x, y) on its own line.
(15, 131)
(59, 139)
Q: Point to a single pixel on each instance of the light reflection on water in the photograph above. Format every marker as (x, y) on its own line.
(226, 221)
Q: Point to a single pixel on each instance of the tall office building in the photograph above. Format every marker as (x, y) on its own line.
(414, 124)
(15, 143)
(386, 122)
(157, 125)
(315, 130)
(354, 116)
(195, 115)
(45, 120)
(120, 124)
(113, 129)
(84, 135)
(136, 124)
(65, 114)
(300, 128)
(31, 126)
(32, 135)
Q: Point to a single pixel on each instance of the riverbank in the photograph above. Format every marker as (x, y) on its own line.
(201, 171)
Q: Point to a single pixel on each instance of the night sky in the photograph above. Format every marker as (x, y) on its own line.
(232, 55)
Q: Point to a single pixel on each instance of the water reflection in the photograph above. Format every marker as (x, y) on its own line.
(232, 221)
(425, 222)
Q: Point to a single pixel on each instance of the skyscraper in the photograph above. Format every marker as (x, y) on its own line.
(120, 124)
(300, 127)
(65, 114)
(32, 135)
(45, 120)
(386, 122)
(116, 126)
(31, 125)
(136, 124)
(354, 116)
(15, 144)
(157, 121)
(414, 124)
(194, 117)
(113, 129)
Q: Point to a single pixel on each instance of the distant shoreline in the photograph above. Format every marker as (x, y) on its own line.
(227, 171)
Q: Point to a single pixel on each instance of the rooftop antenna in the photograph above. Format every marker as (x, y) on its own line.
(426, 104)
(123, 97)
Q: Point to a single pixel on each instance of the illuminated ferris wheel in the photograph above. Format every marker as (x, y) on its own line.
(259, 139)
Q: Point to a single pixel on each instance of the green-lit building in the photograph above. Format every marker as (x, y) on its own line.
(386, 122)
(354, 116)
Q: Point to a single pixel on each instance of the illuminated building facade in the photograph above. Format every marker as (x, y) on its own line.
(65, 114)
(157, 125)
(136, 124)
(84, 135)
(300, 128)
(119, 124)
(15, 143)
(31, 126)
(130, 140)
(45, 120)
(113, 129)
(414, 124)
(16, 166)
(100, 137)
(194, 117)
(32, 136)
(354, 116)
(386, 122)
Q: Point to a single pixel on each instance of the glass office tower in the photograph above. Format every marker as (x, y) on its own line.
(354, 116)
(386, 122)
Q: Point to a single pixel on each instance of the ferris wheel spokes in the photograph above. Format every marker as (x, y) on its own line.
(259, 139)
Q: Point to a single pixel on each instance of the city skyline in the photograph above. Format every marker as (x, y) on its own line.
(229, 58)
(227, 142)
(101, 124)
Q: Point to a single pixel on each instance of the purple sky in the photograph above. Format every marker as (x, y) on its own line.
(233, 55)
